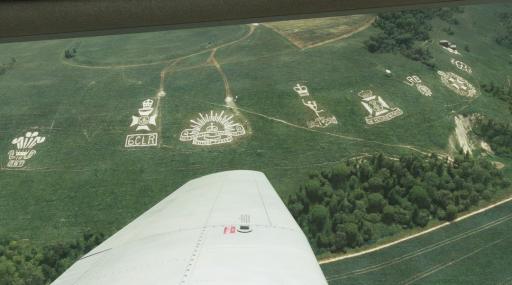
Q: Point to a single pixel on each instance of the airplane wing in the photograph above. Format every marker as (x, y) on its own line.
(225, 228)
(72, 18)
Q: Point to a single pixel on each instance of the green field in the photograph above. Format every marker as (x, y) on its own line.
(317, 32)
(473, 251)
(83, 177)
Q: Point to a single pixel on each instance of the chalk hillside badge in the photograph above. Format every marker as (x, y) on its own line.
(212, 129)
(143, 123)
(24, 149)
(379, 111)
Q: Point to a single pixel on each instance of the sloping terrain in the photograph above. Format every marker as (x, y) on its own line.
(84, 177)
(316, 32)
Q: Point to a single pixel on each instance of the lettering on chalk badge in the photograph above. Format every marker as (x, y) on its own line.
(145, 121)
(24, 149)
(462, 66)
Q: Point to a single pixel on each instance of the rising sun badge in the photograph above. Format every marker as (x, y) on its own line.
(211, 129)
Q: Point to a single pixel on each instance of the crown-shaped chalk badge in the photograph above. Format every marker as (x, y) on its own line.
(145, 119)
(302, 90)
(147, 104)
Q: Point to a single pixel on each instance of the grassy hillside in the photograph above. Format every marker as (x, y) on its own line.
(83, 177)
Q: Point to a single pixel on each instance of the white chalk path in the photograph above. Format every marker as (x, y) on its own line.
(229, 99)
(334, 259)
(170, 68)
(167, 61)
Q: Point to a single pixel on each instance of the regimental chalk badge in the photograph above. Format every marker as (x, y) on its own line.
(212, 129)
(24, 149)
(145, 118)
(146, 121)
(458, 84)
(415, 80)
(321, 119)
(379, 111)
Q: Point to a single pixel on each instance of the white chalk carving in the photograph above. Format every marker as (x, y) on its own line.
(379, 111)
(320, 121)
(415, 80)
(146, 121)
(145, 118)
(24, 149)
(137, 140)
(457, 84)
(301, 90)
(462, 66)
(212, 129)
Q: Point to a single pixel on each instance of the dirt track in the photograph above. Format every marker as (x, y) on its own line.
(334, 259)
(297, 42)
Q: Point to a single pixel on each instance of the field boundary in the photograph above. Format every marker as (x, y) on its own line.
(334, 259)
(304, 45)
(365, 26)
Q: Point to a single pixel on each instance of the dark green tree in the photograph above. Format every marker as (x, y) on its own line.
(419, 197)
(319, 217)
(451, 212)
(376, 203)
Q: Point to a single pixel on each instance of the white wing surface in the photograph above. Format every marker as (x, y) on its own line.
(225, 228)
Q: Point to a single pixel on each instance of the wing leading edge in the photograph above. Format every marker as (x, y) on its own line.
(224, 228)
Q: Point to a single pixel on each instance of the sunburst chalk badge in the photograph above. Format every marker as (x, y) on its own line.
(211, 129)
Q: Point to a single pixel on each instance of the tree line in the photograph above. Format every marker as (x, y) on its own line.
(405, 31)
(361, 201)
(497, 134)
(24, 263)
(501, 92)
